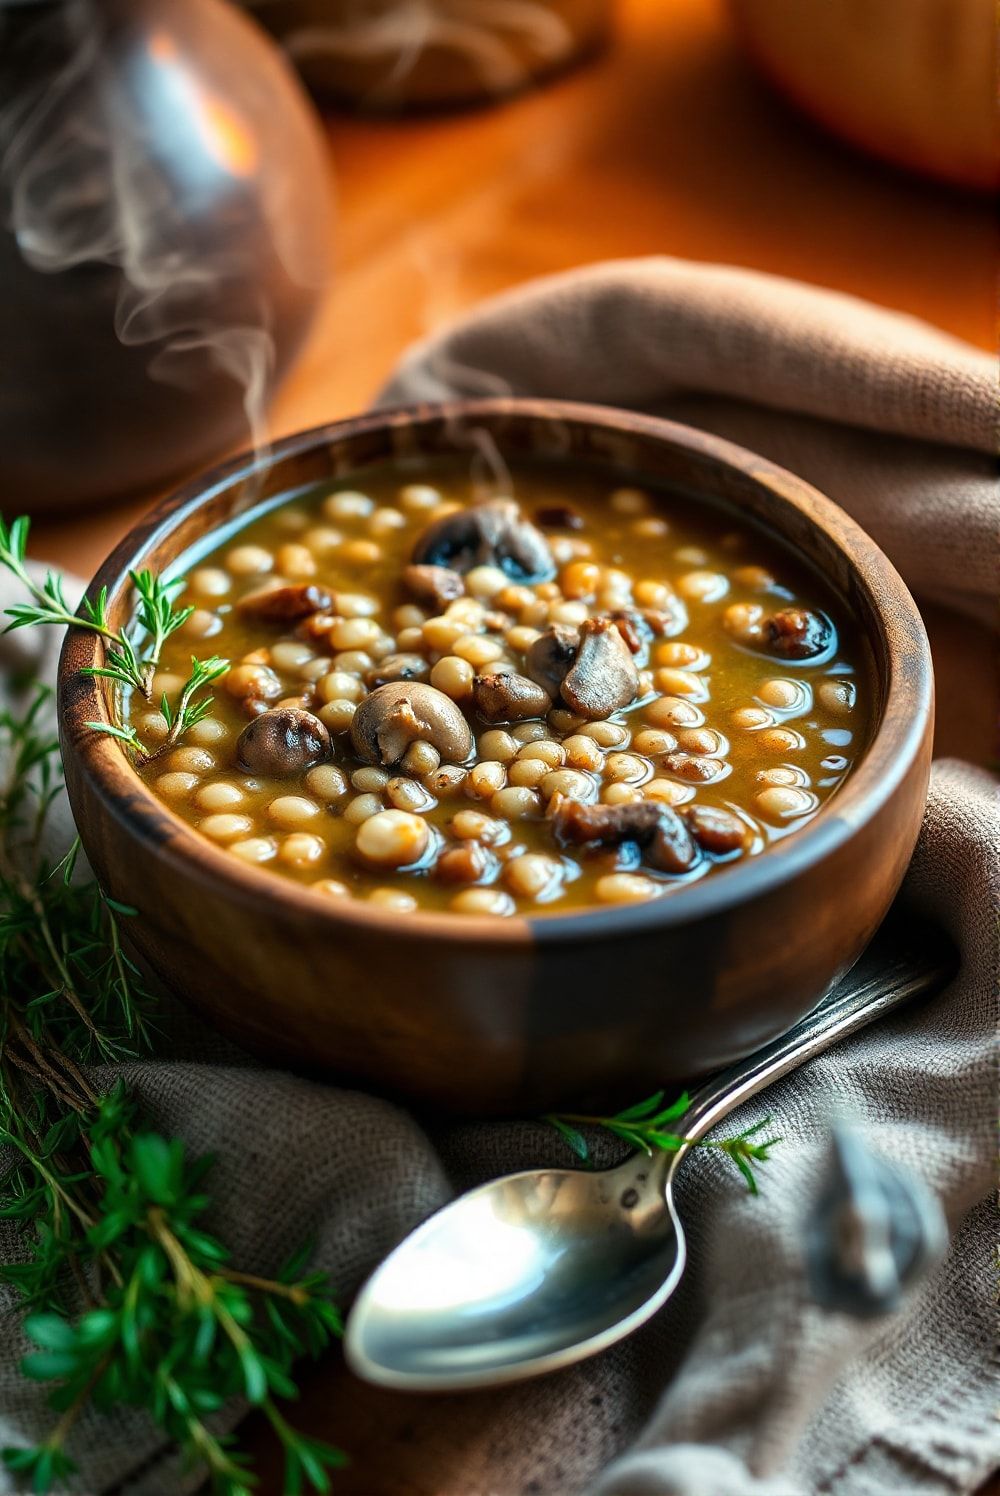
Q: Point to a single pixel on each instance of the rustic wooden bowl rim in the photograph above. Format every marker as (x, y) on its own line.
(893, 747)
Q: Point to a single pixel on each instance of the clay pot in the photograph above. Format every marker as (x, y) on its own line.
(527, 1013)
(397, 54)
(166, 226)
(911, 81)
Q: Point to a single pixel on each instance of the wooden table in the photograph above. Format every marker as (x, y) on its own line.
(667, 144)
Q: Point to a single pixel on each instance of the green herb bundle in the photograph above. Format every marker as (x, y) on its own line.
(130, 1300)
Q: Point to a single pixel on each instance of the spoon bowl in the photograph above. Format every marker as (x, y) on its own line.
(536, 1270)
(521, 1276)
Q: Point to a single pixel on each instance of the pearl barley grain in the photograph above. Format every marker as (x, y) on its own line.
(393, 838)
(625, 888)
(483, 901)
(218, 796)
(176, 786)
(516, 803)
(838, 696)
(533, 875)
(326, 782)
(784, 695)
(337, 716)
(249, 560)
(208, 730)
(453, 676)
(300, 849)
(253, 849)
(292, 811)
(210, 581)
(393, 898)
(784, 802)
(361, 807)
(225, 827)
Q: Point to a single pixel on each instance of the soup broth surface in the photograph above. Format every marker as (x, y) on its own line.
(753, 692)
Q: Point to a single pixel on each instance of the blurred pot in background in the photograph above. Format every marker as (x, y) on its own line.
(908, 80)
(394, 54)
(164, 237)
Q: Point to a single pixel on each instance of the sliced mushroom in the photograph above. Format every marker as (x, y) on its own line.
(667, 621)
(634, 630)
(401, 712)
(509, 698)
(551, 656)
(715, 829)
(285, 740)
(433, 585)
(558, 517)
(693, 767)
(654, 827)
(466, 862)
(797, 633)
(495, 533)
(397, 667)
(285, 604)
(603, 677)
(671, 848)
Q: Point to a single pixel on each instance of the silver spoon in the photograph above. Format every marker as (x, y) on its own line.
(536, 1270)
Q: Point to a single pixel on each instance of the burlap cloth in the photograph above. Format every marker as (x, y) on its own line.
(739, 1385)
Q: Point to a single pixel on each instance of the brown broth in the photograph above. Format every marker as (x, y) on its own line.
(657, 540)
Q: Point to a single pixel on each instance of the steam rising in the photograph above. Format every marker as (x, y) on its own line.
(149, 171)
(488, 37)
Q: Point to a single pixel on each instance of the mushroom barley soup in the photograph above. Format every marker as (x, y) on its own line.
(583, 694)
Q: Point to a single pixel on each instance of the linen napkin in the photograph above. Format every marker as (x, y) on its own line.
(740, 1386)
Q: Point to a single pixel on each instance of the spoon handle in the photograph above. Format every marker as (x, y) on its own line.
(901, 963)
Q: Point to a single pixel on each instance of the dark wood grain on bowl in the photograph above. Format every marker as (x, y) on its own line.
(504, 1015)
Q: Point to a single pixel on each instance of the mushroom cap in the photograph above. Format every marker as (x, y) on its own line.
(402, 712)
(551, 655)
(603, 677)
(285, 604)
(494, 533)
(798, 633)
(509, 698)
(662, 834)
(283, 741)
(434, 585)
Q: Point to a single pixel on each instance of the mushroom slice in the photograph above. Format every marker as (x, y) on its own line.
(401, 712)
(551, 655)
(797, 633)
(603, 677)
(397, 667)
(634, 630)
(558, 517)
(671, 848)
(465, 862)
(656, 828)
(494, 533)
(509, 698)
(433, 585)
(286, 740)
(285, 604)
(715, 829)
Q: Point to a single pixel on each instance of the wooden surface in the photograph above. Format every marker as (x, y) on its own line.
(668, 144)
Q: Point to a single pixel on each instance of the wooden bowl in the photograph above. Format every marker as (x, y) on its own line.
(492, 1015)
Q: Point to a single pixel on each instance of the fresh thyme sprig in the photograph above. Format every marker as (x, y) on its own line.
(124, 664)
(130, 1300)
(645, 1127)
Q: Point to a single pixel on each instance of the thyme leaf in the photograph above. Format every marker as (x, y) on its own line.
(645, 1128)
(129, 668)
